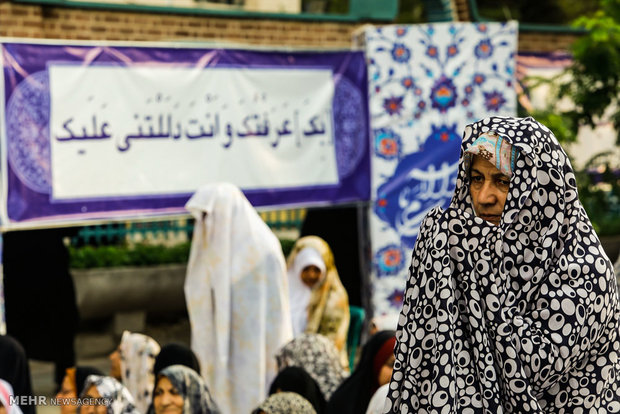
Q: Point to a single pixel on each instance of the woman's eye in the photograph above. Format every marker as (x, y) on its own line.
(505, 183)
(476, 179)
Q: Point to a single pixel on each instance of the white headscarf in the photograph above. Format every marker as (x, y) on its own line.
(377, 402)
(236, 293)
(385, 322)
(6, 391)
(299, 292)
(138, 354)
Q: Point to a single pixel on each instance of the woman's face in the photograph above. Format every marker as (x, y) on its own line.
(310, 275)
(115, 364)
(64, 395)
(385, 374)
(92, 393)
(488, 189)
(166, 399)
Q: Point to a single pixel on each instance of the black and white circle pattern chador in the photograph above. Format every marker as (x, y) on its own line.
(517, 318)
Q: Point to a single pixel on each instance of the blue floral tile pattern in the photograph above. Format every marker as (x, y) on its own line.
(426, 82)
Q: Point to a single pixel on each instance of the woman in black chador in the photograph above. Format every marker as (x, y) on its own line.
(41, 312)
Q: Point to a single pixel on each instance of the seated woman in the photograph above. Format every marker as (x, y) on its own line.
(105, 395)
(511, 303)
(316, 355)
(285, 403)
(319, 303)
(373, 370)
(297, 380)
(72, 386)
(15, 370)
(132, 363)
(175, 354)
(180, 390)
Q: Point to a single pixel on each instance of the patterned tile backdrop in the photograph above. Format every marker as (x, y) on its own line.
(426, 82)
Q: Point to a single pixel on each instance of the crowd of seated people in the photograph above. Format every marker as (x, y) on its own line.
(269, 334)
(154, 380)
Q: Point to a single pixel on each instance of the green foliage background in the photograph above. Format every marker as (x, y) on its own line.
(593, 85)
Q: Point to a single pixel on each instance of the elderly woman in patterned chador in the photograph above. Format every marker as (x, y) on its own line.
(511, 304)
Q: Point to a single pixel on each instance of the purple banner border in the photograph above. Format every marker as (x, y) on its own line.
(30, 60)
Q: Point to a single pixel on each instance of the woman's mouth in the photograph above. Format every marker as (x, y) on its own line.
(493, 218)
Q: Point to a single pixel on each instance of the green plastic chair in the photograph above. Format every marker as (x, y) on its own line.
(355, 331)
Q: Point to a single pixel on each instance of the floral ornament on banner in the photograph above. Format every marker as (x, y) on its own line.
(387, 144)
(389, 260)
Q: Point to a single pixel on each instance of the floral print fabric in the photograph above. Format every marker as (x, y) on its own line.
(119, 399)
(495, 150)
(285, 403)
(237, 297)
(318, 357)
(138, 354)
(196, 396)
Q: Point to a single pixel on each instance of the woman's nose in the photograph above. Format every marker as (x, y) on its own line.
(488, 194)
(165, 399)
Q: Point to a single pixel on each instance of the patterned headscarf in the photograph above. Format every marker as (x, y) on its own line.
(495, 150)
(297, 380)
(328, 307)
(80, 375)
(120, 399)
(520, 317)
(285, 403)
(196, 396)
(77, 377)
(318, 357)
(138, 354)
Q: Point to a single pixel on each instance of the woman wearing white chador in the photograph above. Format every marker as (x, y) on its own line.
(237, 297)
